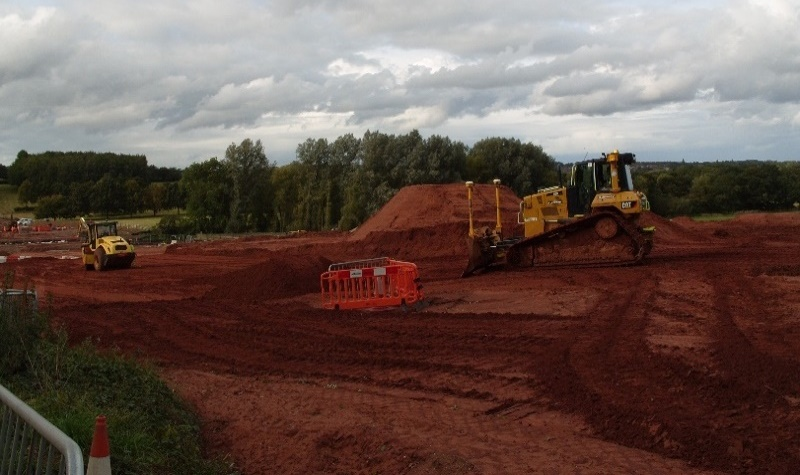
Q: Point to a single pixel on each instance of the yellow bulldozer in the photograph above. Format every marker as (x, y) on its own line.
(592, 221)
(102, 247)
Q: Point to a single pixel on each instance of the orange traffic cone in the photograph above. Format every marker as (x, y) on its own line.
(99, 455)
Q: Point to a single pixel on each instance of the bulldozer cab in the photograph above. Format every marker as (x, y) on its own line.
(582, 188)
(593, 176)
(623, 165)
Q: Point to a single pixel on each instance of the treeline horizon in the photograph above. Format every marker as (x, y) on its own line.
(339, 184)
(695, 188)
(70, 184)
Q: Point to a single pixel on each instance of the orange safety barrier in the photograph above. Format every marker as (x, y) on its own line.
(381, 282)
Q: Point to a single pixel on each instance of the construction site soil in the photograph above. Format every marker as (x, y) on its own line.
(687, 363)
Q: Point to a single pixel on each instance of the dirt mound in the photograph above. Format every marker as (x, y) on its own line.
(276, 275)
(675, 231)
(427, 221)
(791, 218)
(426, 206)
(744, 228)
(446, 240)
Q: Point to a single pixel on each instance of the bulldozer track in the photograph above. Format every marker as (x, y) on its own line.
(628, 240)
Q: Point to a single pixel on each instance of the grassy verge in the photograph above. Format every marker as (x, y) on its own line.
(714, 217)
(151, 431)
(8, 199)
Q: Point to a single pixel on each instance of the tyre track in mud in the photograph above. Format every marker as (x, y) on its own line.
(600, 366)
(758, 391)
(728, 415)
(436, 354)
(677, 357)
(431, 353)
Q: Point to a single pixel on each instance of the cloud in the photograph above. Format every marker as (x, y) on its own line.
(179, 81)
(31, 45)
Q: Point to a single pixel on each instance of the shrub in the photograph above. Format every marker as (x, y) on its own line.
(176, 225)
(151, 431)
(21, 327)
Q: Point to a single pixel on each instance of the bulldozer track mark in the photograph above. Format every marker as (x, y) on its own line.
(589, 374)
(597, 359)
(766, 385)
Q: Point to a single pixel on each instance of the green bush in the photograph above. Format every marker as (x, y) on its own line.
(176, 225)
(21, 328)
(151, 431)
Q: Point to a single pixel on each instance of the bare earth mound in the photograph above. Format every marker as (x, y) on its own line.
(427, 221)
(689, 363)
(424, 206)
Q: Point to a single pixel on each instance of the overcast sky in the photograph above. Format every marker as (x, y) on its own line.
(180, 81)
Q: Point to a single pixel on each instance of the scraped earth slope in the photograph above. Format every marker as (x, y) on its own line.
(689, 363)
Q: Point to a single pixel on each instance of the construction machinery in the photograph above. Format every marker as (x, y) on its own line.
(102, 247)
(592, 221)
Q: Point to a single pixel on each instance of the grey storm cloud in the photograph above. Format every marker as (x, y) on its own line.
(179, 81)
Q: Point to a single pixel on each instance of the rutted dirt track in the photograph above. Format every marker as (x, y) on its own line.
(689, 363)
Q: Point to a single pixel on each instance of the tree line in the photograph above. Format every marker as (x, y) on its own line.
(687, 189)
(338, 184)
(69, 184)
(330, 185)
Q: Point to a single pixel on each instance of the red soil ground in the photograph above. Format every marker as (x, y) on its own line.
(689, 363)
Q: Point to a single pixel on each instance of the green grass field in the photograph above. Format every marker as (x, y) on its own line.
(8, 201)
(714, 217)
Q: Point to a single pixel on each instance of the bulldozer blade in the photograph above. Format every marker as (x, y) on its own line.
(480, 256)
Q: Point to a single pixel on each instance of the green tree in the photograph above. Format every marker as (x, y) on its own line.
(346, 158)
(251, 199)
(55, 206)
(286, 183)
(208, 188)
(789, 177)
(522, 167)
(176, 196)
(108, 195)
(52, 173)
(357, 205)
(133, 196)
(382, 171)
(154, 197)
(25, 192)
(314, 160)
(81, 197)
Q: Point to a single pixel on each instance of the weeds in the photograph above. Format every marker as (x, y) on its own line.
(21, 328)
(151, 431)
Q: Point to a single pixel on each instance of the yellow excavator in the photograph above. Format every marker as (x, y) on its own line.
(102, 247)
(590, 222)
